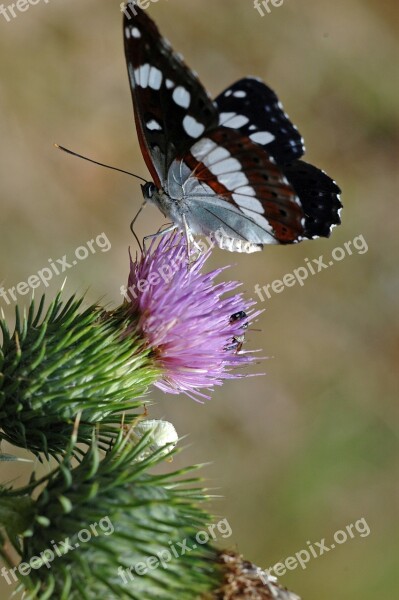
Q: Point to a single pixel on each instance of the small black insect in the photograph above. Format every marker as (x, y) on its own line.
(238, 340)
(239, 316)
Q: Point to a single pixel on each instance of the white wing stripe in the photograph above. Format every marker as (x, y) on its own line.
(231, 181)
(232, 120)
(230, 165)
(218, 154)
(246, 191)
(245, 202)
(202, 148)
(259, 220)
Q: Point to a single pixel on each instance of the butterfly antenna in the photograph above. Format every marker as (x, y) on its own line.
(95, 162)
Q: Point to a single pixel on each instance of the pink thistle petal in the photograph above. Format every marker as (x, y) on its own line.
(185, 317)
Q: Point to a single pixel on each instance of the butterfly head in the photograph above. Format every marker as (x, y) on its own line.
(149, 189)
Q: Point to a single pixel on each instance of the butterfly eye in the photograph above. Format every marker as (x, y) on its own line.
(149, 190)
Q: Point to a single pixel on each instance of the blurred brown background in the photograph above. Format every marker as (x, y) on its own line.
(310, 447)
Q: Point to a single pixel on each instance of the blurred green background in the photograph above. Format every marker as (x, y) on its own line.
(312, 446)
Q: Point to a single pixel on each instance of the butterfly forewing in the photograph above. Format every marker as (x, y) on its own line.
(172, 108)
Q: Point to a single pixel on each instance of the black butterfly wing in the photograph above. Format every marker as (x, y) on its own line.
(172, 108)
(266, 123)
(255, 110)
(319, 196)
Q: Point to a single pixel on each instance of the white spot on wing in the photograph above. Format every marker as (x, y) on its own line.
(169, 84)
(192, 127)
(153, 125)
(141, 75)
(127, 33)
(182, 97)
(233, 120)
(262, 137)
(136, 33)
(240, 94)
(155, 78)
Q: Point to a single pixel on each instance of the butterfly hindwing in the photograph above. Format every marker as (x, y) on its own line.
(252, 107)
(319, 196)
(228, 176)
(255, 108)
(171, 106)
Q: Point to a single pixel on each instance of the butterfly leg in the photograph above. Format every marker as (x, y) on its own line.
(191, 243)
(159, 234)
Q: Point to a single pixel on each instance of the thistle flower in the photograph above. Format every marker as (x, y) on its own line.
(179, 332)
(185, 316)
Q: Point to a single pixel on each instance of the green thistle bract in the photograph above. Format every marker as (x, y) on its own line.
(68, 361)
(144, 515)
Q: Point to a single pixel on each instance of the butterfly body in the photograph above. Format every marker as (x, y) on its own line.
(227, 168)
(172, 208)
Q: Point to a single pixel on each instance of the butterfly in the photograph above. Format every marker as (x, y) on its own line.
(228, 168)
